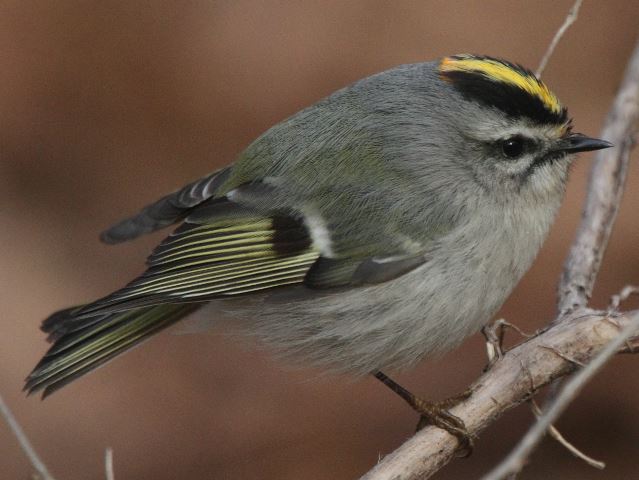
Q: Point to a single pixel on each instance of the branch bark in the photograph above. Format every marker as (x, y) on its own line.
(576, 334)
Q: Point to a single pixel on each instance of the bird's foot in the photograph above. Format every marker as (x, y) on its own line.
(438, 414)
(435, 413)
(494, 335)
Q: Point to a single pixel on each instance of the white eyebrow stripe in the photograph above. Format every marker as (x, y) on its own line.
(533, 132)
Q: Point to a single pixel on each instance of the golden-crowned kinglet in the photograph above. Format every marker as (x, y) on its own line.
(386, 222)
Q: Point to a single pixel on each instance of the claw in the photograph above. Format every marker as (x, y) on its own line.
(437, 414)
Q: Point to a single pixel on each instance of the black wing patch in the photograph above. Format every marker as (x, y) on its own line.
(200, 261)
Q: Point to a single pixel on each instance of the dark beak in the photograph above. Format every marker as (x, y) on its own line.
(577, 142)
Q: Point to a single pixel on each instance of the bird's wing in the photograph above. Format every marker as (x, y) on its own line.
(224, 248)
(166, 211)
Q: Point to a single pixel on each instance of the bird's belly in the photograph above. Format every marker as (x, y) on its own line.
(427, 311)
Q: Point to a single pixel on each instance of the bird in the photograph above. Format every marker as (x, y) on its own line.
(381, 225)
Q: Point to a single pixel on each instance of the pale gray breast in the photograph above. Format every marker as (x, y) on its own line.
(466, 278)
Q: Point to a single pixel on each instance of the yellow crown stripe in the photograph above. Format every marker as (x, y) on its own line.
(500, 72)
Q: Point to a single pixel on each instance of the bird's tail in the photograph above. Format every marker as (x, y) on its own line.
(81, 344)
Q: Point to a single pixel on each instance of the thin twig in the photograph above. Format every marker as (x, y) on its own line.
(27, 448)
(515, 461)
(554, 433)
(568, 21)
(618, 299)
(108, 464)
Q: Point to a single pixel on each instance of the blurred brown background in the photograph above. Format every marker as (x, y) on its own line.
(105, 106)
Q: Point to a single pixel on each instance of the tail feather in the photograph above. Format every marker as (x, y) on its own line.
(57, 323)
(83, 344)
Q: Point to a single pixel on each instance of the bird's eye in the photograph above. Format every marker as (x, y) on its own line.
(513, 147)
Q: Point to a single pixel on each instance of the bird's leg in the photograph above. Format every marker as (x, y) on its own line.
(434, 413)
(494, 335)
